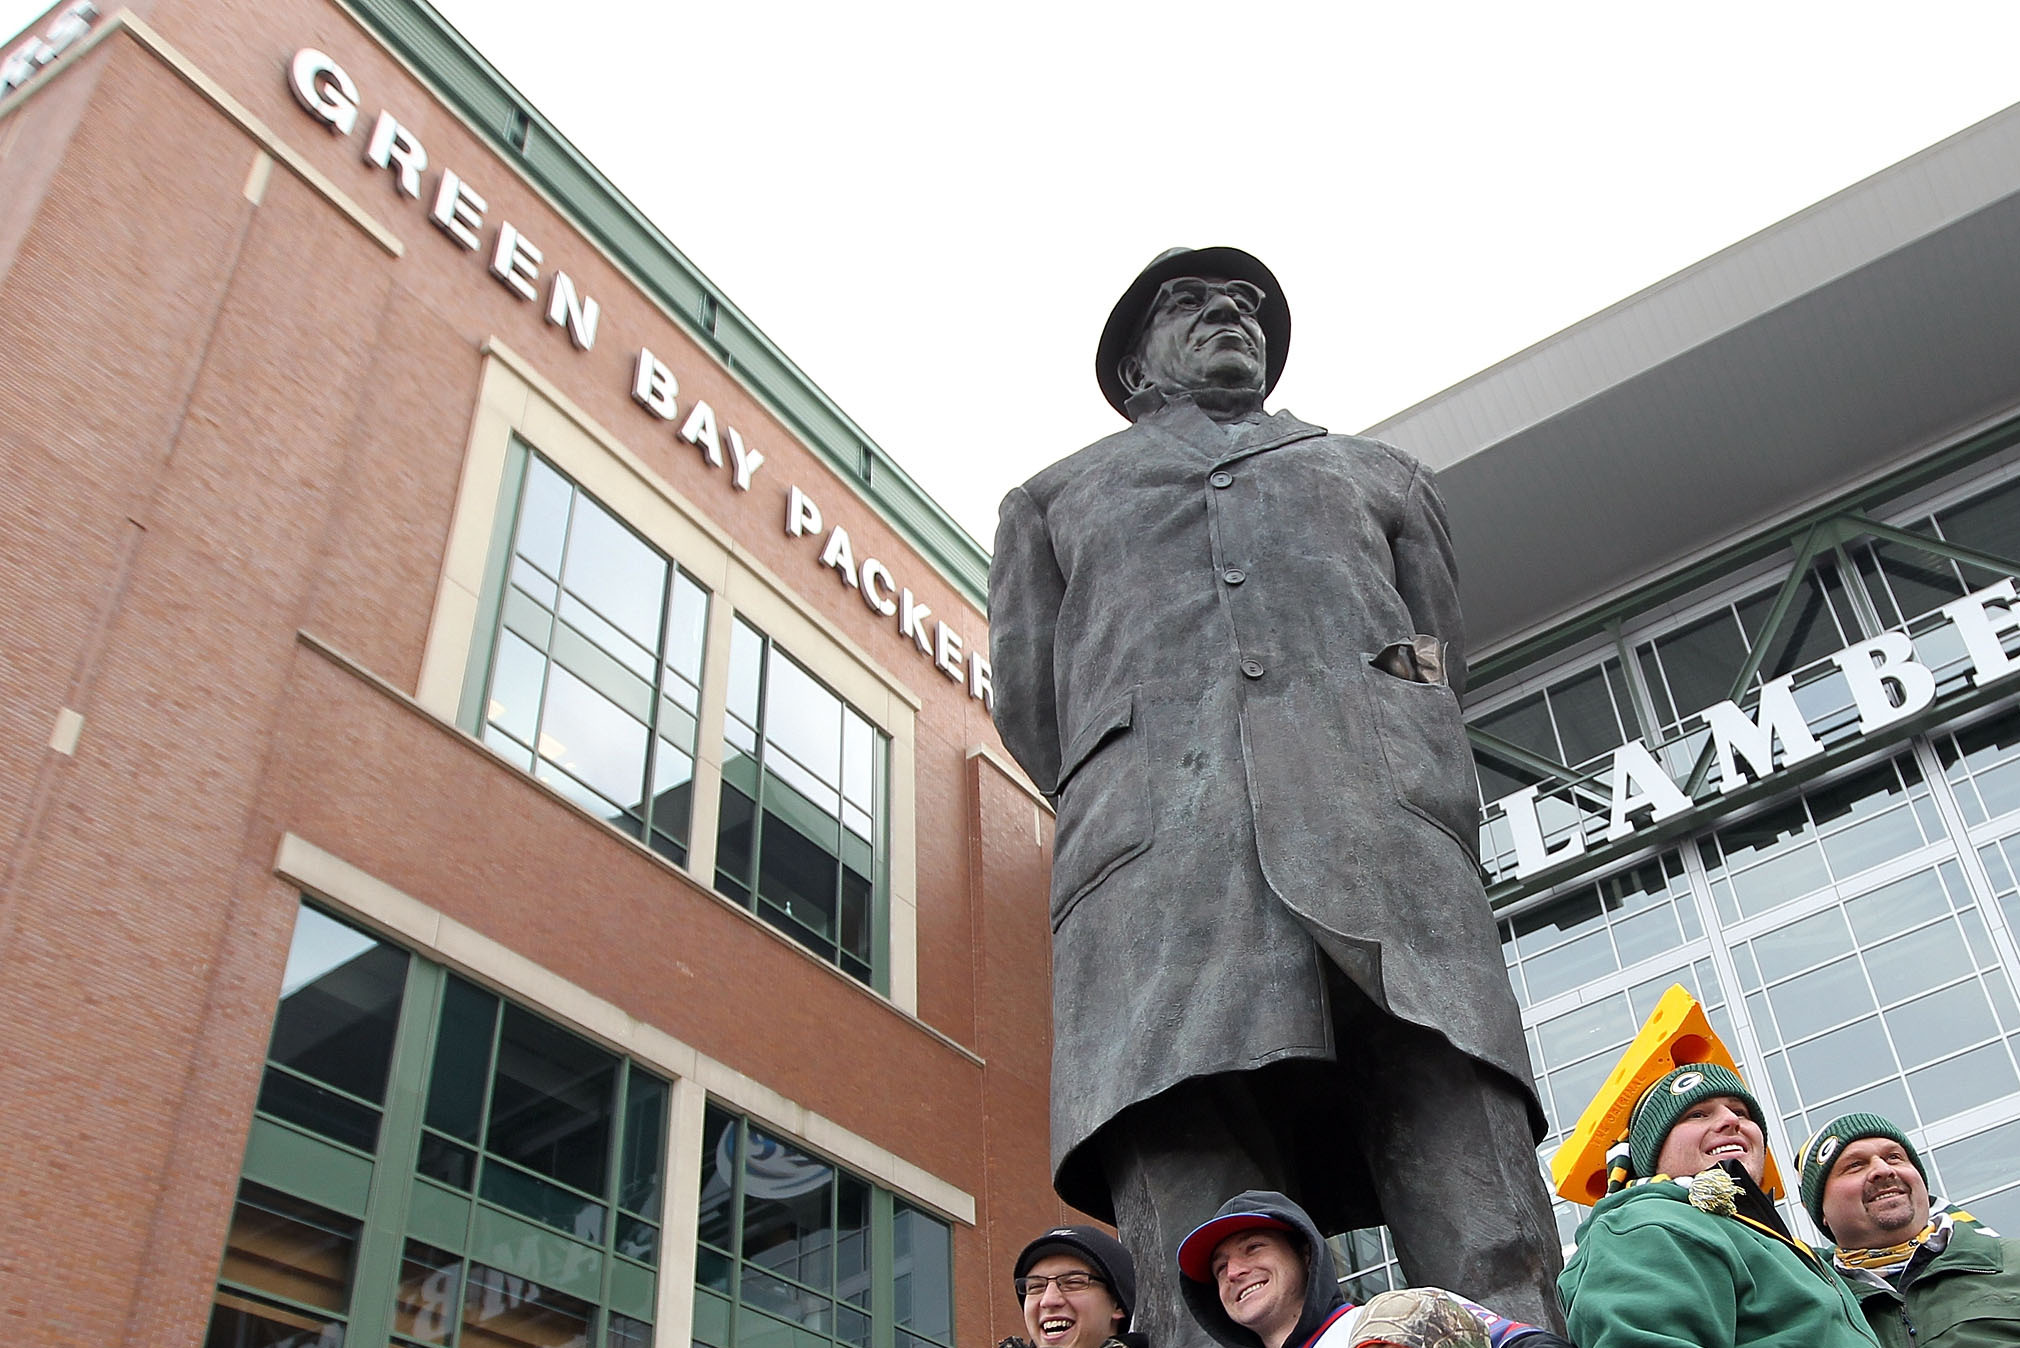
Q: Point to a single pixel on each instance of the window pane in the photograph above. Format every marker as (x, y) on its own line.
(551, 1101)
(340, 1004)
(615, 572)
(1896, 907)
(543, 516)
(788, 1221)
(800, 875)
(644, 1143)
(462, 1059)
(531, 1196)
(746, 671)
(238, 1320)
(626, 1332)
(686, 635)
(1525, 724)
(922, 1273)
(1980, 1162)
(1929, 1027)
(502, 1311)
(1699, 661)
(596, 740)
(1842, 1060)
(1820, 999)
(1587, 723)
(515, 688)
(1812, 940)
(290, 1248)
(1963, 1082)
(718, 1174)
(335, 1116)
(424, 1302)
(804, 719)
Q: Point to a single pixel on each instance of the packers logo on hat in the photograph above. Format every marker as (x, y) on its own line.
(1827, 1150)
(1686, 1083)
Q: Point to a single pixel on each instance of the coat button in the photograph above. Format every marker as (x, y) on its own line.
(1252, 668)
(1234, 575)
(1222, 479)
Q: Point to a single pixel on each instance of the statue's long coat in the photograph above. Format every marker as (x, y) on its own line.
(1181, 627)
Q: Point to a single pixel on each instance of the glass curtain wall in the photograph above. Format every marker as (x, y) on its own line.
(433, 1166)
(594, 681)
(796, 1252)
(802, 833)
(1853, 940)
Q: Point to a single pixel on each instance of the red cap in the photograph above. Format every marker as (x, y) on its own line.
(1195, 1252)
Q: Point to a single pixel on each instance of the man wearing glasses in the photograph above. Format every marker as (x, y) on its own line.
(1226, 644)
(1076, 1285)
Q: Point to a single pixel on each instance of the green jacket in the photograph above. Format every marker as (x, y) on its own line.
(1966, 1297)
(1652, 1271)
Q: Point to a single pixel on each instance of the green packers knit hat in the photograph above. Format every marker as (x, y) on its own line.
(1821, 1152)
(1663, 1103)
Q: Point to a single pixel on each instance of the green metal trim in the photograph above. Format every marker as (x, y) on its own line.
(470, 84)
(1543, 645)
(1941, 547)
(1515, 756)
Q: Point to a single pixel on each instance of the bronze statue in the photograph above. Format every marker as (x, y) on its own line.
(1227, 645)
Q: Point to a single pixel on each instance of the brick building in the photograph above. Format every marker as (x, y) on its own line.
(505, 842)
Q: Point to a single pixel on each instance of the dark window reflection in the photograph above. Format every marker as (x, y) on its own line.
(339, 1007)
(462, 1059)
(551, 1101)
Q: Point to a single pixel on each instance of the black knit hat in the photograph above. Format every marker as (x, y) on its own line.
(1663, 1103)
(1821, 1152)
(1103, 1252)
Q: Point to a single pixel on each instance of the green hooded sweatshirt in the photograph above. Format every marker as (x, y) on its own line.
(1652, 1271)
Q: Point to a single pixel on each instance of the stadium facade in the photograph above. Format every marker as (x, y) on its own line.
(505, 840)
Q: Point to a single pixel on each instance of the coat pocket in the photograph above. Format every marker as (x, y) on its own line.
(1423, 740)
(1104, 804)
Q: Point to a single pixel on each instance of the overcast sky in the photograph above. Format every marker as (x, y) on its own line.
(931, 207)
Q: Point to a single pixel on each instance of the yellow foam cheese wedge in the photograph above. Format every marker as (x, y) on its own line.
(1676, 1033)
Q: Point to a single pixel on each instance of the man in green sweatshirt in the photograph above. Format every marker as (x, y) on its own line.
(1925, 1279)
(1686, 1251)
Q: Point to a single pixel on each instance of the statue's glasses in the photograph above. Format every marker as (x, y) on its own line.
(1034, 1284)
(1188, 293)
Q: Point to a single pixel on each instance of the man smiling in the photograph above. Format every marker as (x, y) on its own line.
(1932, 1280)
(1076, 1285)
(1259, 1275)
(1686, 1248)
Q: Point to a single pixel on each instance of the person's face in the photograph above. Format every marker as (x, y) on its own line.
(1201, 334)
(1710, 1131)
(1874, 1197)
(1059, 1319)
(1260, 1276)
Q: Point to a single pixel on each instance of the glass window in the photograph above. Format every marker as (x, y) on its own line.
(595, 677)
(1828, 834)
(1982, 765)
(801, 834)
(1635, 915)
(287, 1272)
(532, 1214)
(791, 1246)
(1885, 1002)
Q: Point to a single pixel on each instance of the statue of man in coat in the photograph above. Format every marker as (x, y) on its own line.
(1226, 644)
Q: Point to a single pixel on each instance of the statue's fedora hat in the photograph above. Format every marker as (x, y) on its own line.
(1125, 321)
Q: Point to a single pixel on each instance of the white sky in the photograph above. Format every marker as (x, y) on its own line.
(931, 207)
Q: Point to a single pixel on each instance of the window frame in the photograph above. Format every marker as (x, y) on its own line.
(516, 402)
